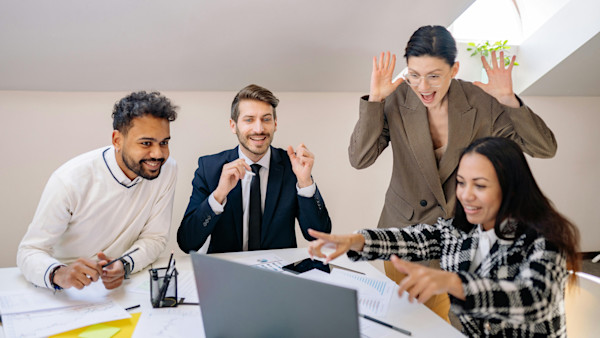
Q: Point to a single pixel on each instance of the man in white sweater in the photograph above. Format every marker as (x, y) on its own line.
(106, 203)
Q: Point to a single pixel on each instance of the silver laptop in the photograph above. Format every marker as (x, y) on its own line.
(243, 301)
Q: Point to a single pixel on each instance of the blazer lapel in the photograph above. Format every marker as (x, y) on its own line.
(461, 120)
(234, 198)
(421, 143)
(493, 259)
(273, 191)
(468, 247)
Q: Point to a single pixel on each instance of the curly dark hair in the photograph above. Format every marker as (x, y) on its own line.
(138, 104)
(522, 200)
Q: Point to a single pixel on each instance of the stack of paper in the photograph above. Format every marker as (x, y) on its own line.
(374, 295)
(40, 312)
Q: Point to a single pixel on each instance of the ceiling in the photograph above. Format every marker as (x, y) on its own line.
(200, 45)
(577, 75)
(310, 45)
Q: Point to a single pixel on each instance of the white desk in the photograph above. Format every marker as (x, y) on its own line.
(414, 317)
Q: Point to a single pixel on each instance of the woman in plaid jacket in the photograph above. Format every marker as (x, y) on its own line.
(504, 256)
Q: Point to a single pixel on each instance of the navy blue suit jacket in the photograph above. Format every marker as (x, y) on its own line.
(282, 206)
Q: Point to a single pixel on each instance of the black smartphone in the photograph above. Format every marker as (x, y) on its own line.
(309, 264)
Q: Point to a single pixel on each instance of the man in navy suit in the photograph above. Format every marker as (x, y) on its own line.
(225, 203)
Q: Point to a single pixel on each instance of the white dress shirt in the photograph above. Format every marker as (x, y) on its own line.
(487, 239)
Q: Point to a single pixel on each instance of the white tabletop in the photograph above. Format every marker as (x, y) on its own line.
(416, 318)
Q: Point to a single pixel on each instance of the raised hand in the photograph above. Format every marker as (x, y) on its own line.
(78, 274)
(342, 244)
(302, 162)
(231, 173)
(422, 282)
(382, 76)
(113, 275)
(499, 80)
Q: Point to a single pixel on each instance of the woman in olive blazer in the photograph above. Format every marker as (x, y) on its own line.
(420, 190)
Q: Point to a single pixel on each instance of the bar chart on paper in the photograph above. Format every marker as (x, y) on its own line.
(374, 295)
(379, 286)
(264, 261)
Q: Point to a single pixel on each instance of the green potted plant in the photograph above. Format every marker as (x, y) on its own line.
(485, 49)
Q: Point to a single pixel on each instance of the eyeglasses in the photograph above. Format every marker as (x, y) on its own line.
(412, 79)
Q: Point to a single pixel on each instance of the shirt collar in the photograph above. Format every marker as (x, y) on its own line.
(111, 162)
(264, 161)
(490, 235)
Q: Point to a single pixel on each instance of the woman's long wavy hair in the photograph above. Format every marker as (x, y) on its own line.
(522, 200)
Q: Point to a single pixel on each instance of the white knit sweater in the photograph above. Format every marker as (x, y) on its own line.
(88, 206)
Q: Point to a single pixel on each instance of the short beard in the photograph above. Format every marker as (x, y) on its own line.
(137, 167)
(244, 145)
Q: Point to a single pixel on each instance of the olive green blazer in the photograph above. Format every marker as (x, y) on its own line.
(419, 191)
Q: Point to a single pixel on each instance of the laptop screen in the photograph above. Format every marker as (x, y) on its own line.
(242, 301)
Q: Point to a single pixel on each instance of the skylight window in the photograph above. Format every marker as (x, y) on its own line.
(512, 20)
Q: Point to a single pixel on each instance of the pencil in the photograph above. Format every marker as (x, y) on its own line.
(116, 259)
(408, 333)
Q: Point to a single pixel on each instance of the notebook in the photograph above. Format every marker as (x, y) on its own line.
(243, 301)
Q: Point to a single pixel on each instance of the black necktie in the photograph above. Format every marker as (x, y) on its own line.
(255, 218)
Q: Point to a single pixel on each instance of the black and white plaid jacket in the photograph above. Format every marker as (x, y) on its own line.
(517, 290)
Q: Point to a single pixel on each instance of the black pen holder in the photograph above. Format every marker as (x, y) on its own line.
(163, 288)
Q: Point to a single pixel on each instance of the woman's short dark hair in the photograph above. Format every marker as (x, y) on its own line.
(253, 92)
(522, 200)
(432, 41)
(138, 104)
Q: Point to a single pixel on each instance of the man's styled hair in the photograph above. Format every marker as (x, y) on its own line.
(138, 104)
(253, 92)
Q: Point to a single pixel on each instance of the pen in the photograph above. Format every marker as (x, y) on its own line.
(163, 289)
(250, 173)
(132, 307)
(116, 259)
(168, 274)
(170, 260)
(408, 333)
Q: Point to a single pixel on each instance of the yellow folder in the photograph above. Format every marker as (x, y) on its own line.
(122, 328)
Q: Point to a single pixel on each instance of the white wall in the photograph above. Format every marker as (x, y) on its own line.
(42, 130)
(572, 178)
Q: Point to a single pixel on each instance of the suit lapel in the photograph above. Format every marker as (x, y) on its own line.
(273, 191)
(234, 198)
(415, 122)
(461, 120)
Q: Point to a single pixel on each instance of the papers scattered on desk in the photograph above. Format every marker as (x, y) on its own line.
(374, 295)
(186, 286)
(265, 261)
(176, 322)
(49, 322)
(43, 299)
(142, 287)
(40, 312)
(368, 329)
